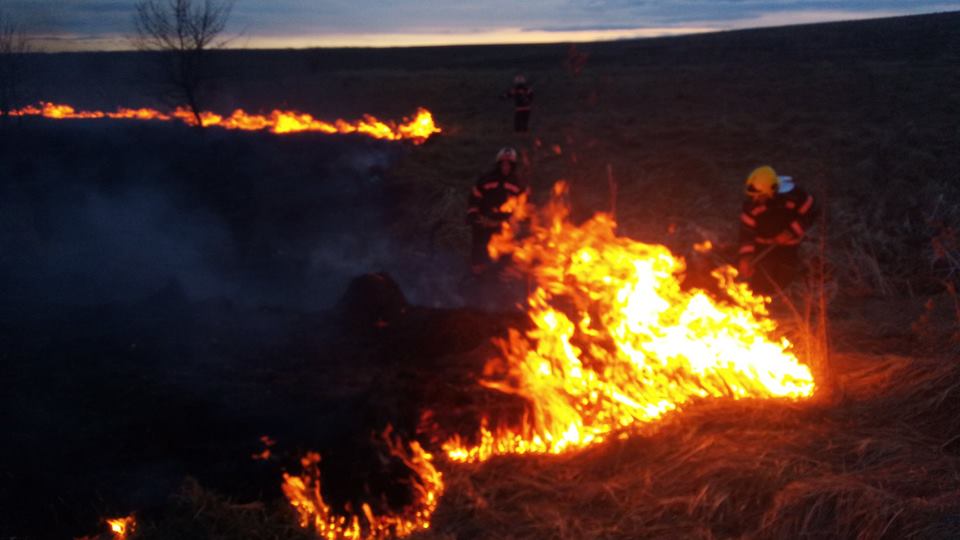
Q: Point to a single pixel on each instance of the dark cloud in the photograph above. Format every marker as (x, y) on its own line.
(72, 16)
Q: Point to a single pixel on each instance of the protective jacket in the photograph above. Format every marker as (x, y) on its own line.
(762, 222)
(490, 192)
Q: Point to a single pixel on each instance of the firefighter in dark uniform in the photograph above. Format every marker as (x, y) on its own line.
(484, 213)
(522, 96)
(775, 218)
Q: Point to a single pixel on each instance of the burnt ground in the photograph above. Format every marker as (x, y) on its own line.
(171, 296)
(110, 408)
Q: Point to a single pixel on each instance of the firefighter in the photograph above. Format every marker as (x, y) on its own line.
(522, 96)
(775, 218)
(484, 213)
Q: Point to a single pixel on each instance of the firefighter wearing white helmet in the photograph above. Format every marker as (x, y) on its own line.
(484, 213)
(522, 95)
(507, 154)
(774, 221)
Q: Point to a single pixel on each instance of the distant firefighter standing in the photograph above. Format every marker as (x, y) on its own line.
(485, 213)
(522, 95)
(775, 218)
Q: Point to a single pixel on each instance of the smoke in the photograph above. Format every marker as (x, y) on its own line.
(95, 214)
(104, 248)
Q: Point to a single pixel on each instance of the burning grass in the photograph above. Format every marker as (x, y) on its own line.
(425, 486)
(882, 464)
(417, 129)
(617, 342)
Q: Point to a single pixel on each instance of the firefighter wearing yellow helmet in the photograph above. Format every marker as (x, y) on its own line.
(774, 221)
(485, 207)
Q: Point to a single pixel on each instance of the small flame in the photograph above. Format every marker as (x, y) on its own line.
(703, 247)
(265, 454)
(122, 527)
(418, 129)
(617, 343)
(304, 495)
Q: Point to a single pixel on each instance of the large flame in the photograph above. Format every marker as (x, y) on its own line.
(418, 129)
(616, 342)
(303, 492)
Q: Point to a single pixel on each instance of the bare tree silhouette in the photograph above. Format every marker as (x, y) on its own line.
(14, 45)
(183, 32)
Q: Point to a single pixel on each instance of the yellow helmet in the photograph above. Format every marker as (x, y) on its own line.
(763, 182)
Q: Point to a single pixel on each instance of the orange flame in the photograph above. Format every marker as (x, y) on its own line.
(703, 247)
(418, 129)
(304, 495)
(616, 342)
(121, 527)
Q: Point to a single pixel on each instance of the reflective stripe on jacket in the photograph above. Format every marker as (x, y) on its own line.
(761, 223)
(490, 192)
(522, 97)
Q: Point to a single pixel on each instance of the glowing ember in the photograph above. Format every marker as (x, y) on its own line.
(121, 527)
(616, 342)
(418, 129)
(303, 492)
(265, 454)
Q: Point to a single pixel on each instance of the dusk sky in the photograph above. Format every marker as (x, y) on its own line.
(106, 24)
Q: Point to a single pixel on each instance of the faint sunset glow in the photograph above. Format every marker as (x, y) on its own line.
(499, 36)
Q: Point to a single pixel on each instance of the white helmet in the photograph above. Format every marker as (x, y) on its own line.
(507, 153)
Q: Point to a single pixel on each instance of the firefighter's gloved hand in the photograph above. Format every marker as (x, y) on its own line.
(745, 268)
(785, 238)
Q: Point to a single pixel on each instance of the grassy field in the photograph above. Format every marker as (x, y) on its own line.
(864, 114)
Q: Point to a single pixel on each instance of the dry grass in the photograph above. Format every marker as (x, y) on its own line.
(883, 464)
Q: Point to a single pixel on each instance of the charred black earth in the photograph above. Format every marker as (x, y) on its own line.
(172, 296)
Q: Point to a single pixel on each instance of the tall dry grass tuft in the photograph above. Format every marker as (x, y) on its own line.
(818, 290)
